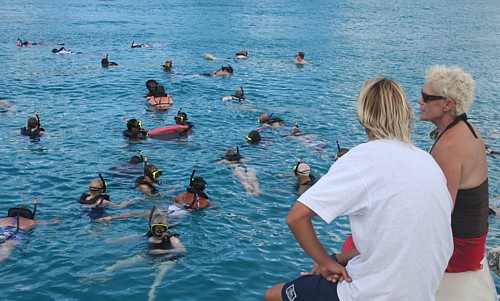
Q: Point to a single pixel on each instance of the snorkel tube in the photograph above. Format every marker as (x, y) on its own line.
(296, 167)
(37, 119)
(338, 146)
(104, 185)
(191, 179)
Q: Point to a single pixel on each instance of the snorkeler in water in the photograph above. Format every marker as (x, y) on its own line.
(135, 130)
(268, 120)
(340, 151)
(147, 183)
(243, 54)
(194, 197)
(182, 119)
(227, 71)
(63, 50)
(238, 95)
(106, 63)
(34, 129)
(16, 225)
(143, 45)
(164, 247)
(94, 202)
(247, 175)
(305, 179)
(167, 66)
(299, 58)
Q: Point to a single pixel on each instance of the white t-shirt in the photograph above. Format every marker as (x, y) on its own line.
(400, 213)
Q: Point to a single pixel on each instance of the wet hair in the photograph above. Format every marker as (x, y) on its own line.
(159, 91)
(254, 136)
(135, 160)
(32, 122)
(383, 109)
(264, 118)
(231, 155)
(454, 83)
(133, 123)
(296, 132)
(198, 183)
(228, 69)
(300, 54)
(151, 84)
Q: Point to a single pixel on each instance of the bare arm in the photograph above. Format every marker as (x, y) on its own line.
(124, 215)
(57, 220)
(299, 220)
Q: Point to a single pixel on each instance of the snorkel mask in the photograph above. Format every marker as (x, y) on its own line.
(197, 183)
(158, 225)
(340, 151)
(154, 174)
(23, 211)
(233, 156)
(134, 123)
(103, 188)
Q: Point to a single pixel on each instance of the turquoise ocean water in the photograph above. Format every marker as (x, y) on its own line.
(243, 248)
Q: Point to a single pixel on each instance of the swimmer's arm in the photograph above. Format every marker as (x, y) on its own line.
(122, 216)
(121, 205)
(114, 241)
(57, 220)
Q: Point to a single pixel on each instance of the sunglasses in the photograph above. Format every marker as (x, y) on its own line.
(427, 97)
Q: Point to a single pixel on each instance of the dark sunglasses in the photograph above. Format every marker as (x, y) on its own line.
(427, 97)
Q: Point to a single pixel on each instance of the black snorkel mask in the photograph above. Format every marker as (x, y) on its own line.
(104, 185)
(23, 212)
(234, 157)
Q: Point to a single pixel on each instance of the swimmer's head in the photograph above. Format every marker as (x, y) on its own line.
(198, 183)
(231, 155)
(181, 118)
(160, 90)
(152, 172)
(134, 124)
(264, 118)
(303, 170)
(22, 211)
(253, 137)
(32, 122)
(96, 186)
(228, 69)
(296, 132)
(158, 223)
(300, 54)
(244, 52)
(341, 152)
(239, 94)
(54, 50)
(135, 160)
(151, 84)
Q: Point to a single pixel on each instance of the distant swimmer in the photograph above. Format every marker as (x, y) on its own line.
(16, 226)
(299, 58)
(226, 71)
(5, 106)
(194, 197)
(151, 85)
(253, 137)
(34, 129)
(243, 54)
(106, 63)
(238, 95)
(150, 179)
(247, 175)
(135, 130)
(308, 140)
(63, 50)
(340, 151)
(22, 43)
(167, 66)
(143, 45)
(304, 177)
(269, 120)
(182, 119)
(160, 100)
(93, 204)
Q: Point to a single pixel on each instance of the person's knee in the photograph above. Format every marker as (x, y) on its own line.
(273, 293)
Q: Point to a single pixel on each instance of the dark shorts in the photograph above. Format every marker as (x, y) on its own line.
(310, 288)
